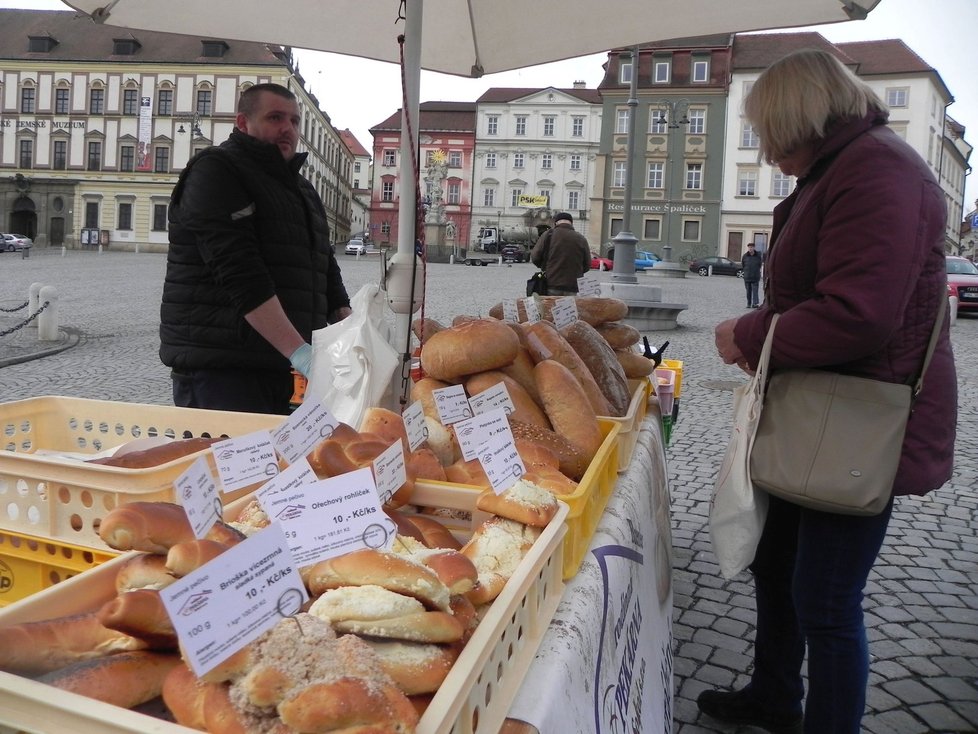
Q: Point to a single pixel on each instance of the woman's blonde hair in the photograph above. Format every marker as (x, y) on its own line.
(795, 99)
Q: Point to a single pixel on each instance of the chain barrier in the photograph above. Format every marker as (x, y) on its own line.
(24, 323)
(15, 308)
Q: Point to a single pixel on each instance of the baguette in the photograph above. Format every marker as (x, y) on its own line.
(127, 679)
(162, 454)
(547, 343)
(568, 408)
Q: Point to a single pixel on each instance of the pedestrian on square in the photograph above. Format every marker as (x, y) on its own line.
(563, 254)
(751, 263)
(250, 271)
(856, 269)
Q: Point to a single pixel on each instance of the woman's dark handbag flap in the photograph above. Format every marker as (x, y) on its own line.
(830, 442)
(537, 284)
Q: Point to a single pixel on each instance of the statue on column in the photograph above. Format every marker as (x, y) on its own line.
(435, 178)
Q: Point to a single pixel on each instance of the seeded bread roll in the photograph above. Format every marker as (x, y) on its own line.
(526, 408)
(568, 408)
(470, 347)
(572, 461)
(600, 360)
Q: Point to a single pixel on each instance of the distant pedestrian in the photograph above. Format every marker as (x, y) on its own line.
(751, 263)
(563, 254)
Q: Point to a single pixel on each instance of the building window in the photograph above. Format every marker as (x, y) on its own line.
(701, 71)
(164, 102)
(489, 196)
(91, 215)
(575, 162)
(615, 227)
(96, 102)
(897, 96)
(577, 127)
(214, 49)
(746, 183)
(546, 193)
(780, 185)
(748, 138)
(27, 100)
(356, 168)
(662, 72)
(658, 125)
(59, 160)
(492, 125)
(654, 179)
(490, 160)
(387, 191)
(573, 200)
(547, 160)
(514, 197)
(127, 158)
(161, 162)
(618, 175)
(26, 158)
(694, 176)
(62, 101)
(621, 122)
(130, 101)
(125, 46)
(159, 217)
(518, 160)
(521, 124)
(454, 159)
(390, 158)
(652, 229)
(691, 230)
(385, 228)
(625, 72)
(548, 125)
(454, 192)
(94, 155)
(697, 122)
(125, 216)
(204, 102)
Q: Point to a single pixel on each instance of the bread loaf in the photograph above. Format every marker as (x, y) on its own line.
(619, 335)
(571, 460)
(526, 408)
(521, 369)
(545, 342)
(568, 408)
(141, 614)
(157, 455)
(635, 365)
(127, 679)
(601, 362)
(593, 309)
(151, 527)
(470, 347)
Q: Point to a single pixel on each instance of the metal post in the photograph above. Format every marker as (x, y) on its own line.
(624, 263)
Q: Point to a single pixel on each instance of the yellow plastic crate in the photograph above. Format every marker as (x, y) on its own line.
(474, 699)
(676, 365)
(29, 564)
(65, 500)
(631, 422)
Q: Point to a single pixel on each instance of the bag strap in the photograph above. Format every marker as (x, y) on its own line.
(760, 372)
(932, 344)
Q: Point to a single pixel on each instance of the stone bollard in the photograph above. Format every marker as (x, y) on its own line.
(100, 248)
(952, 309)
(47, 322)
(64, 250)
(32, 302)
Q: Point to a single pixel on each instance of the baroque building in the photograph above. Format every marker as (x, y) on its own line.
(97, 122)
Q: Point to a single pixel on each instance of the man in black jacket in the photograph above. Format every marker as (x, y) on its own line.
(250, 272)
(751, 263)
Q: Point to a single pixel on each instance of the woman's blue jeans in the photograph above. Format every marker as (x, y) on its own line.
(809, 574)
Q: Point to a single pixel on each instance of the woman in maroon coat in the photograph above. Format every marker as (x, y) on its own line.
(856, 270)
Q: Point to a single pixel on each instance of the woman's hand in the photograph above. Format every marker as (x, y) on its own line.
(726, 346)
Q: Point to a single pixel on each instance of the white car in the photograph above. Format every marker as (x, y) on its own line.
(15, 242)
(358, 247)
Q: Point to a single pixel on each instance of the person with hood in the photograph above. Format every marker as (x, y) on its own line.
(855, 268)
(250, 272)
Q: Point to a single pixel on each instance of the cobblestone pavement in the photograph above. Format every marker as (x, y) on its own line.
(922, 598)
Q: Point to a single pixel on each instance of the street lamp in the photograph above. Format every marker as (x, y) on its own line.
(194, 121)
(678, 115)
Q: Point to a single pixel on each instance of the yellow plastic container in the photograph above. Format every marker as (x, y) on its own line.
(676, 365)
(631, 422)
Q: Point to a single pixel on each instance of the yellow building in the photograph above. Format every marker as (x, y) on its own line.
(97, 122)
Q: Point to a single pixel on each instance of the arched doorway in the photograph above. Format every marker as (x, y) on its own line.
(23, 217)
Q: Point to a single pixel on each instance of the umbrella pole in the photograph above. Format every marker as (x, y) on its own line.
(405, 281)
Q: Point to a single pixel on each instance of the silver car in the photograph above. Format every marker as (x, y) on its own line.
(15, 242)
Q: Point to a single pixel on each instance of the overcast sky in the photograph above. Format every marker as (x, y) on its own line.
(357, 93)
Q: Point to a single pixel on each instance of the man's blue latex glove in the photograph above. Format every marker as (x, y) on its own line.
(301, 359)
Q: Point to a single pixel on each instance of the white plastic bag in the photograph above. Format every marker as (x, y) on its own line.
(738, 510)
(352, 361)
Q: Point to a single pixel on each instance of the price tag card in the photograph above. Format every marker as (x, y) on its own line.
(197, 492)
(245, 460)
(452, 404)
(588, 285)
(491, 398)
(564, 312)
(390, 472)
(230, 601)
(286, 482)
(476, 431)
(414, 424)
(511, 311)
(501, 461)
(303, 430)
(532, 312)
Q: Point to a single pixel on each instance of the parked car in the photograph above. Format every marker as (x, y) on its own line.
(720, 265)
(962, 282)
(601, 263)
(645, 259)
(359, 247)
(15, 242)
(515, 253)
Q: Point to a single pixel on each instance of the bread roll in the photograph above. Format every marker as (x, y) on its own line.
(426, 328)
(572, 461)
(601, 362)
(143, 571)
(523, 502)
(184, 694)
(526, 408)
(414, 667)
(151, 527)
(184, 558)
(547, 343)
(386, 424)
(141, 614)
(568, 408)
(455, 570)
(619, 335)
(375, 611)
(470, 347)
(225, 534)
(496, 548)
(635, 365)
(157, 455)
(433, 533)
(127, 679)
